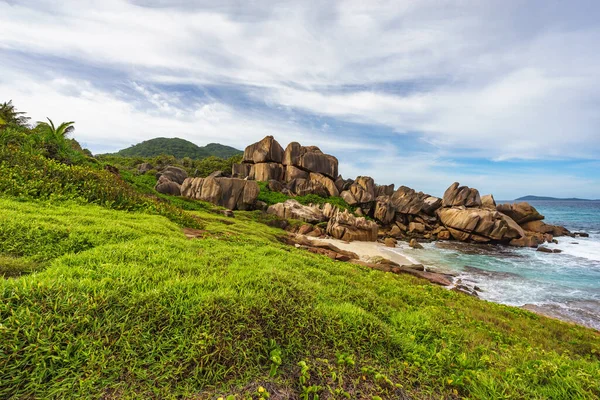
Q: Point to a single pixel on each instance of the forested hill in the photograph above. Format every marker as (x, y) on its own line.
(179, 148)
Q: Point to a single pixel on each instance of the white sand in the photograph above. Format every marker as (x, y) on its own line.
(366, 250)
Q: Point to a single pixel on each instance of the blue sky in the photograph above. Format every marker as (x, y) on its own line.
(503, 96)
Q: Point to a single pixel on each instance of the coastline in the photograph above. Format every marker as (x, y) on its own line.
(367, 251)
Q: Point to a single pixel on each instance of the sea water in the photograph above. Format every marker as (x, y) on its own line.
(565, 285)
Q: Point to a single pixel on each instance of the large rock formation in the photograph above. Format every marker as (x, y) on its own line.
(457, 195)
(266, 171)
(232, 193)
(520, 212)
(346, 226)
(407, 201)
(384, 210)
(310, 158)
(291, 209)
(267, 150)
(362, 191)
(479, 225)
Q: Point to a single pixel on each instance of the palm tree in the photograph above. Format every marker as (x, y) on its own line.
(10, 115)
(62, 131)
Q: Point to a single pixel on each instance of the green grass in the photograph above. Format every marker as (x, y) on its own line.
(119, 304)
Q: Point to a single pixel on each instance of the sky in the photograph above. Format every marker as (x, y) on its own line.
(503, 96)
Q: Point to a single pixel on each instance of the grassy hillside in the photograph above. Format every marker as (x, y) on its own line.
(103, 296)
(178, 148)
(134, 309)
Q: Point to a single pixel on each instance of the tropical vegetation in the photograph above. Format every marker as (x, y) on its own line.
(104, 296)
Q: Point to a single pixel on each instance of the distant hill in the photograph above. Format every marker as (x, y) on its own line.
(545, 198)
(179, 148)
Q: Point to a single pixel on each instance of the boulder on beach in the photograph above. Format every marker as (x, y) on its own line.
(457, 195)
(346, 226)
(384, 210)
(521, 213)
(479, 225)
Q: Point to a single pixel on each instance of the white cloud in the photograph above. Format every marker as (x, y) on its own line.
(496, 80)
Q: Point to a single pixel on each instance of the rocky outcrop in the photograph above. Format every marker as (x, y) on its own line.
(479, 225)
(384, 190)
(292, 173)
(241, 171)
(310, 158)
(292, 209)
(231, 193)
(343, 184)
(488, 202)
(302, 187)
(326, 182)
(174, 174)
(408, 201)
(384, 210)
(520, 212)
(361, 191)
(457, 195)
(267, 150)
(266, 171)
(539, 226)
(346, 226)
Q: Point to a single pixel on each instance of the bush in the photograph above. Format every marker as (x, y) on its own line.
(35, 177)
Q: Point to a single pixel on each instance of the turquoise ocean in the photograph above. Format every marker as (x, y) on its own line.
(565, 285)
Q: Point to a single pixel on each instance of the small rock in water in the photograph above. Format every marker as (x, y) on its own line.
(414, 244)
(554, 241)
(544, 249)
(477, 288)
(389, 242)
(574, 243)
(557, 251)
(581, 234)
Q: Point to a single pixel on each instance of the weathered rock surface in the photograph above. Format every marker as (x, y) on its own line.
(302, 187)
(539, 226)
(291, 209)
(457, 195)
(384, 210)
(343, 184)
(292, 173)
(328, 183)
(384, 190)
(266, 171)
(361, 191)
(267, 150)
(479, 225)
(346, 226)
(408, 201)
(311, 159)
(241, 171)
(232, 193)
(488, 201)
(520, 212)
(174, 174)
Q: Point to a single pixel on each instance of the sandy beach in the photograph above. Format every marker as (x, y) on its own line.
(366, 250)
